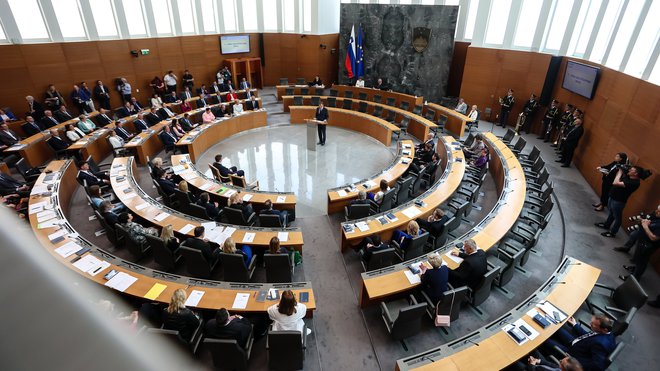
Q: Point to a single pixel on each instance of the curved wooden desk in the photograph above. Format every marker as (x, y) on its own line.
(419, 127)
(297, 89)
(412, 100)
(510, 183)
(339, 197)
(456, 121)
(203, 137)
(142, 205)
(490, 348)
(199, 181)
(437, 194)
(377, 128)
(216, 294)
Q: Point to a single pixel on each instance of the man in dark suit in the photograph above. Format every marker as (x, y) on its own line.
(137, 105)
(165, 184)
(152, 118)
(472, 268)
(185, 122)
(252, 104)
(30, 127)
(172, 98)
(212, 208)
(372, 244)
(224, 171)
(92, 178)
(48, 121)
(571, 141)
(322, 116)
(9, 185)
(210, 250)
(201, 102)
(102, 94)
(224, 326)
(380, 84)
(435, 223)
(110, 217)
(244, 85)
(123, 133)
(169, 139)
(102, 119)
(62, 114)
(7, 136)
(126, 110)
(56, 142)
(282, 214)
(216, 89)
(140, 124)
(187, 94)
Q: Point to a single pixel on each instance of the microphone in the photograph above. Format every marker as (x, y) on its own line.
(576, 263)
(559, 283)
(470, 341)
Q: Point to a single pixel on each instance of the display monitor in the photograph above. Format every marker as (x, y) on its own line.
(581, 79)
(234, 44)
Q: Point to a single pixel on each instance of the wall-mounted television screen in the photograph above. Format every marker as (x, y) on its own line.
(235, 44)
(581, 79)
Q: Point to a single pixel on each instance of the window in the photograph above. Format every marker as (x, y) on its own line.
(186, 16)
(497, 19)
(250, 15)
(68, 18)
(134, 17)
(623, 34)
(560, 17)
(471, 19)
(2, 34)
(647, 39)
(270, 15)
(307, 15)
(229, 15)
(208, 15)
(288, 15)
(579, 22)
(451, 2)
(431, 2)
(527, 23)
(655, 74)
(162, 16)
(587, 27)
(606, 28)
(405, 2)
(104, 18)
(28, 18)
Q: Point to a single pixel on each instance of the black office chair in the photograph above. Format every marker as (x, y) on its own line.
(519, 146)
(406, 322)
(235, 216)
(168, 200)
(196, 263)
(228, 354)
(182, 199)
(297, 100)
(270, 221)
(304, 91)
(59, 153)
(379, 259)
(289, 91)
(300, 81)
(110, 231)
(362, 107)
(414, 249)
(482, 291)
(378, 111)
(403, 190)
(235, 269)
(348, 94)
(279, 268)
(451, 303)
(284, 81)
(333, 92)
(192, 345)
(390, 101)
(435, 242)
(348, 104)
(391, 117)
(417, 110)
(356, 211)
(332, 102)
(386, 203)
(508, 136)
(316, 100)
(507, 263)
(627, 295)
(137, 249)
(362, 95)
(404, 105)
(319, 91)
(30, 175)
(198, 211)
(163, 256)
(286, 349)
(377, 98)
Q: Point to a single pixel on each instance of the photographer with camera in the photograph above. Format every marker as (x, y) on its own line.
(609, 172)
(647, 236)
(624, 184)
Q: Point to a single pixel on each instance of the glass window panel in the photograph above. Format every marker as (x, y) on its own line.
(606, 28)
(229, 14)
(134, 17)
(499, 14)
(104, 18)
(428, 2)
(288, 14)
(655, 74)
(646, 41)
(527, 22)
(471, 19)
(208, 15)
(162, 16)
(250, 15)
(68, 18)
(270, 15)
(405, 2)
(623, 34)
(587, 28)
(186, 16)
(2, 34)
(28, 19)
(451, 2)
(384, 1)
(579, 22)
(559, 22)
(307, 15)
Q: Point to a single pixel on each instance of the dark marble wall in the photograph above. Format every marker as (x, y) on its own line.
(388, 46)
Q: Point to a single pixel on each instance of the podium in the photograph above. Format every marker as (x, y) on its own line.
(311, 135)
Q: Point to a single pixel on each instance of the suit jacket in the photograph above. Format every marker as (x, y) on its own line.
(8, 184)
(183, 321)
(31, 129)
(201, 102)
(123, 133)
(90, 177)
(57, 143)
(244, 85)
(250, 105)
(224, 171)
(125, 112)
(573, 136)
(321, 114)
(275, 212)
(592, 351)
(137, 105)
(62, 116)
(48, 122)
(185, 124)
(209, 250)
(152, 119)
(36, 111)
(170, 99)
(103, 119)
(434, 283)
(9, 138)
(186, 95)
(169, 139)
(140, 125)
(167, 186)
(470, 271)
(101, 94)
(211, 210)
(238, 329)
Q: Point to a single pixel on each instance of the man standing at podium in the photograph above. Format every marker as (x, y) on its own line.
(321, 115)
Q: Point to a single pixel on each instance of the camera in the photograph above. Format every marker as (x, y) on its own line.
(637, 219)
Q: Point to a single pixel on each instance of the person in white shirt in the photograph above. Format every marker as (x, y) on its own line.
(156, 102)
(474, 113)
(73, 133)
(170, 80)
(360, 82)
(461, 107)
(238, 107)
(115, 140)
(288, 314)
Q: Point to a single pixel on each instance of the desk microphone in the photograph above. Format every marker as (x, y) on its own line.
(559, 283)
(576, 263)
(470, 341)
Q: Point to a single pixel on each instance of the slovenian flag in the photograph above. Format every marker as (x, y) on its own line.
(350, 54)
(359, 59)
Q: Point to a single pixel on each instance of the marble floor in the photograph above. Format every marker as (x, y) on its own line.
(277, 156)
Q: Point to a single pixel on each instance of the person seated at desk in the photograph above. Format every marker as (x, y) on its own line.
(110, 217)
(224, 171)
(237, 107)
(156, 101)
(208, 116)
(7, 116)
(461, 107)
(73, 134)
(157, 163)
(212, 208)
(140, 124)
(482, 160)
(172, 98)
(185, 107)
(48, 121)
(97, 200)
(370, 245)
(231, 96)
(216, 89)
(30, 127)
(429, 140)
(435, 223)
(137, 105)
(183, 187)
(185, 123)
(92, 177)
(229, 247)
(475, 149)
(201, 102)
(288, 314)
(380, 85)
(221, 110)
(252, 104)
(177, 317)
(102, 119)
(316, 82)
(378, 196)
(10, 186)
(35, 109)
(537, 362)
(434, 280)
(472, 268)
(210, 250)
(474, 115)
(7, 136)
(282, 214)
(127, 110)
(62, 114)
(136, 231)
(55, 142)
(228, 86)
(186, 94)
(274, 247)
(244, 85)
(122, 132)
(236, 202)
(115, 140)
(360, 82)
(361, 200)
(165, 184)
(152, 118)
(404, 238)
(224, 326)
(177, 129)
(85, 124)
(167, 235)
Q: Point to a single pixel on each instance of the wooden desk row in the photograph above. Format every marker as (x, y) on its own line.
(342, 89)
(218, 191)
(216, 294)
(341, 196)
(374, 127)
(147, 208)
(456, 121)
(297, 89)
(510, 183)
(241, 94)
(490, 348)
(418, 126)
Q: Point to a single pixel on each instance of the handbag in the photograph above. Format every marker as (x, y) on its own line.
(443, 320)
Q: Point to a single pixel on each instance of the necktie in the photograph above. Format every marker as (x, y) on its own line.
(36, 126)
(124, 131)
(583, 337)
(106, 117)
(187, 95)
(11, 135)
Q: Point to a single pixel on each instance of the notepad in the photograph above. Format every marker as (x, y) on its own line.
(229, 192)
(241, 301)
(155, 291)
(362, 226)
(411, 212)
(100, 268)
(142, 206)
(177, 169)
(186, 228)
(121, 281)
(283, 236)
(412, 277)
(247, 198)
(342, 193)
(37, 207)
(58, 234)
(281, 199)
(160, 217)
(67, 249)
(453, 258)
(248, 237)
(194, 298)
(205, 186)
(208, 225)
(45, 216)
(87, 263)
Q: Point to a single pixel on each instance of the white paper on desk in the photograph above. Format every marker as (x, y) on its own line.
(283, 236)
(369, 184)
(453, 258)
(160, 217)
(406, 153)
(249, 237)
(522, 322)
(177, 169)
(411, 212)
(362, 226)
(121, 281)
(194, 298)
(208, 225)
(230, 230)
(509, 327)
(39, 188)
(247, 198)
(280, 199)
(548, 309)
(412, 277)
(229, 192)
(186, 228)
(205, 186)
(405, 160)
(100, 268)
(87, 263)
(46, 216)
(130, 195)
(60, 233)
(406, 145)
(50, 224)
(241, 301)
(342, 193)
(37, 207)
(68, 249)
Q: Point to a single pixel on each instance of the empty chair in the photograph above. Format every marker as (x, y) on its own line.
(390, 101)
(417, 110)
(404, 105)
(284, 81)
(235, 216)
(315, 100)
(348, 94)
(362, 95)
(270, 221)
(279, 268)
(406, 321)
(297, 100)
(415, 247)
(300, 81)
(362, 107)
(403, 125)
(357, 211)
(508, 136)
(286, 349)
(451, 304)
(228, 354)
(304, 91)
(288, 91)
(196, 263)
(333, 92)
(332, 102)
(430, 114)
(377, 98)
(627, 295)
(507, 263)
(530, 158)
(318, 91)
(239, 181)
(348, 104)
(378, 111)
(26, 172)
(391, 117)
(163, 256)
(235, 269)
(442, 121)
(519, 146)
(403, 190)
(482, 291)
(379, 259)
(175, 338)
(137, 249)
